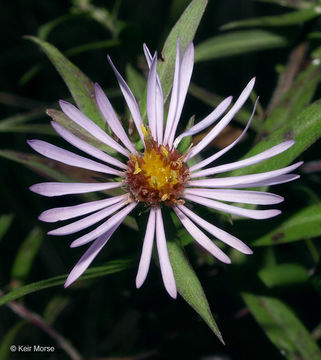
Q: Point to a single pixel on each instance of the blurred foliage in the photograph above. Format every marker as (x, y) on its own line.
(266, 306)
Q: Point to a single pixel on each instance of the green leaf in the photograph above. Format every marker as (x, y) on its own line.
(110, 267)
(282, 327)
(135, 81)
(42, 129)
(284, 275)
(103, 44)
(99, 14)
(9, 339)
(238, 43)
(36, 163)
(305, 129)
(26, 254)
(45, 29)
(79, 85)
(20, 119)
(5, 222)
(291, 18)
(297, 4)
(55, 306)
(295, 99)
(185, 28)
(189, 286)
(302, 225)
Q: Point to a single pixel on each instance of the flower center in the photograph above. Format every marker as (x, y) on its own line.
(158, 170)
(158, 175)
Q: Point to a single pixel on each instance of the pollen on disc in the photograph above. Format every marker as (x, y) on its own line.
(158, 175)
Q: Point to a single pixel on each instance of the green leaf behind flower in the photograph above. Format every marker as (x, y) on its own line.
(185, 28)
(190, 287)
(282, 327)
(237, 43)
(110, 267)
(304, 224)
(26, 254)
(305, 129)
(79, 85)
(284, 275)
(5, 222)
(291, 18)
(295, 99)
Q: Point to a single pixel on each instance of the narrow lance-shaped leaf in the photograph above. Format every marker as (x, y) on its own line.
(291, 18)
(26, 254)
(110, 267)
(237, 43)
(282, 327)
(185, 28)
(79, 85)
(302, 225)
(305, 129)
(297, 4)
(295, 99)
(36, 163)
(284, 275)
(189, 286)
(9, 339)
(5, 222)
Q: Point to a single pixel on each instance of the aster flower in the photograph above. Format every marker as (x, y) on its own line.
(159, 176)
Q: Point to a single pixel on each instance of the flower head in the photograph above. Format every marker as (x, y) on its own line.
(158, 176)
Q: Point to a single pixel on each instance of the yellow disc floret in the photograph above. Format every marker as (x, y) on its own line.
(158, 175)
(158, 171)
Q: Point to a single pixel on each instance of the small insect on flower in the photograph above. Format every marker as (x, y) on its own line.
(159, 176)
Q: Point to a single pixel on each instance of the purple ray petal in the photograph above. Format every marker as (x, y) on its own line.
(148, 55)
(111, 118)
(90, 255)
(201, 238)
(269, 182)
(159, 99)
(151, 98)
(88, 220)
(220, 153)
(82, 120)
(243, 179)
(84, 146)
(175, 93)
(69, 212)
(69, 158)
(205, 123)
(215, 231)
(186, 70)
(59, 188)
(239, 196)
(224, 122)
(165, 265)
(147, 249)
(130, 100)
(230, 209)
(267, 154)
(120, 216)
